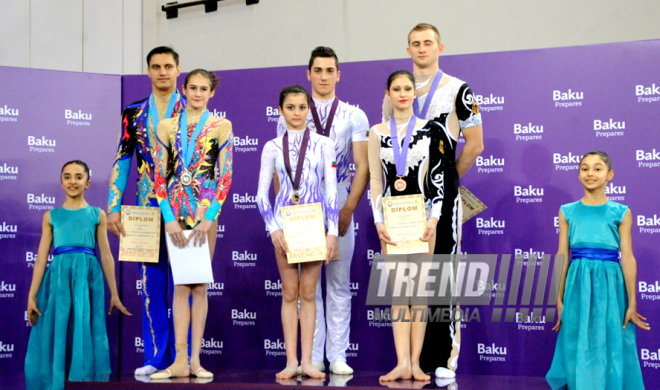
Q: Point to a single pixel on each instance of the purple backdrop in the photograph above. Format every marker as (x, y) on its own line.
(542, 109)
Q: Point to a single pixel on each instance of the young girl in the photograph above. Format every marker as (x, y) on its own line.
(596, 347)
(69, 340)
(318, 155)
(425, 151)
(201, 157)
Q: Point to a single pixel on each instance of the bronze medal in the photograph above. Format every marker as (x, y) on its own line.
(295, 198)
(400, 184)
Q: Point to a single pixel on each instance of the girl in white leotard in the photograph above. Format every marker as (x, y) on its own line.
(318, 183)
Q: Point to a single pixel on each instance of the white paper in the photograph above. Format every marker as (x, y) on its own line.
(192, 264)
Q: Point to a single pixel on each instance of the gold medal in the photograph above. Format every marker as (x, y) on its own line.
(400, 184)
(295, 198)
(186, 178)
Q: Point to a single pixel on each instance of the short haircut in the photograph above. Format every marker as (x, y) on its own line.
(293, 89)
(163, 50)
(211, 76)
(423, 27)
(323, 52)
(400, 73)
(602, 155)
(77, 162)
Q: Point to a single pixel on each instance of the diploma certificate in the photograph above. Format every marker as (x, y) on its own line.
(304, 232)
(405, 220)
(142, 227)
(471, 204)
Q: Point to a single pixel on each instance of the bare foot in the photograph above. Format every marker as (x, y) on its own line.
(399, 372)
(288, 372)
(309, 370)
(419, 375)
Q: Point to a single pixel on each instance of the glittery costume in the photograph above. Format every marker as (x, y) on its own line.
(137, 135)
(455, 109)
(318, 170)
(211, 168)
(350, 125)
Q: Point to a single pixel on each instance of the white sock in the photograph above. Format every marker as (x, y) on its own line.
(442, 372)
(146, 370)
(340, 367)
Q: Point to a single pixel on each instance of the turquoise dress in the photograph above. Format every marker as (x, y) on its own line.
(593, 350)
(69, 341)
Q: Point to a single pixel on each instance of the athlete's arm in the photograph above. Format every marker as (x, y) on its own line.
(474, 145)
(39, 268)
(160, 186)
(359, 138)
(225, 162)
(469, 120)
(330, 179)
(563, 250)
(268, 157)
(375, 176)
(121, 167)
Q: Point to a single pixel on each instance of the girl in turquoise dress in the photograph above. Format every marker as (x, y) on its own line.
(596, 347)
(66, 302)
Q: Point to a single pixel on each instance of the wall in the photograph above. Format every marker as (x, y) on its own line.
(283, 32)
(75, 35)
(114, 36)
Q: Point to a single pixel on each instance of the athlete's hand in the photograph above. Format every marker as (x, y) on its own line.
(200, 212)
(383, 235)
(200, 232)
(429, 231)
(114, 224)
(176, 234)
(279, 242)
(116, 302)
(636, 318)
(560, 308)
(333, 247)
(32, 311)
(345, 218)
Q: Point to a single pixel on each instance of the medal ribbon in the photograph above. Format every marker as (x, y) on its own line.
(188, 146)
(301, 158)
(401, 153)
(429, 97)
(153, 109)
(331, 117)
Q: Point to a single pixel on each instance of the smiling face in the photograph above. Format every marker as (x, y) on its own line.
(198, 91)
(594, 173)
(74, 180)
(401, 93)
(295, 109)
(163, 72)
(324, 76)
(424, 48)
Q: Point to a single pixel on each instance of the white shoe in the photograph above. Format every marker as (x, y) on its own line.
(318, 365)
(341, 368)
(145, 371)
(442, 372)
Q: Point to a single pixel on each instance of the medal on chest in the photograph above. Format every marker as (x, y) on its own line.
(401, 152)
(188, 145)
(324, 131)
(295, 181)
(429, 97)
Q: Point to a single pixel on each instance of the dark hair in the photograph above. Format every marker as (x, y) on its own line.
(213, 79)
(78, 162)
(292, 89)
(163, 50)
(602, 155)
(323, 52)
(400, 73)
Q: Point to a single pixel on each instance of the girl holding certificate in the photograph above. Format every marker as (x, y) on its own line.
(303, 162)
(199, 148)
(66, 304)
(407, 156)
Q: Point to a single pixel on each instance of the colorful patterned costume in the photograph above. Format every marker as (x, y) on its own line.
(350, 125)
(211, 168)
(138, 136)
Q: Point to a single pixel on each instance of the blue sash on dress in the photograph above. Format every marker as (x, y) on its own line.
(74, 249)
(595, 254)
